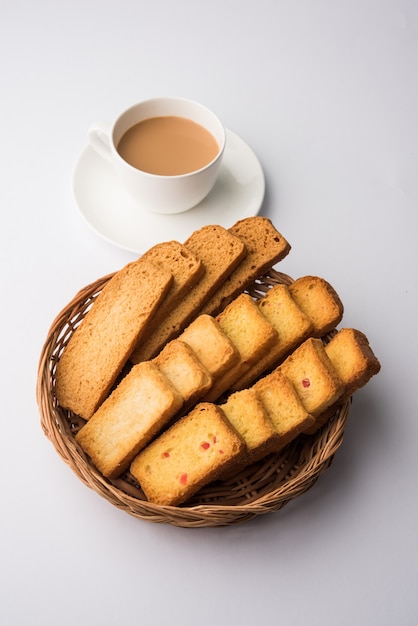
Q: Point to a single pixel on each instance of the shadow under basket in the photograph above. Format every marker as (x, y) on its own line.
(261, 488)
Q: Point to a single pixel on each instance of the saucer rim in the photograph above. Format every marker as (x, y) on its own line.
(252, 210)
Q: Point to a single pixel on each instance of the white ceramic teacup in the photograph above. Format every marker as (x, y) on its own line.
(153, 192)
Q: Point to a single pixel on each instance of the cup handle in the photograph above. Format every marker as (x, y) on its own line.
(99, 139)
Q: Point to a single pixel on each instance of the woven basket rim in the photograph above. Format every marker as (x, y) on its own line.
(262, 488)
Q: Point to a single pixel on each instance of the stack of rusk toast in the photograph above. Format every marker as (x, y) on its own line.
(183, 378)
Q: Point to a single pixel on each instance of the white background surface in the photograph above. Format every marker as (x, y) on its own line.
(326, 94)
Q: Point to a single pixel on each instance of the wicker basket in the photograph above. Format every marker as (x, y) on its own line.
(263, 487)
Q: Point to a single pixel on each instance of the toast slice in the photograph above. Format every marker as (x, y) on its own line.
(265, 247)
(193, 452)
(312, 374)
(291, 324)
(210, 344)
(355, 363)
(186, 268)
(252, 336)
(178, 362)
(101, 344)
(319, 301)
(129, 418)
(247, 413)
(220, 253)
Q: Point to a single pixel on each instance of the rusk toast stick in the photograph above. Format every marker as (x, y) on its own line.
(355, 362)
(312, 374)
(137, 409)
(319, 301)
(178, 362)
(100, 346)
(186, 268)
(211, 345)
(310, 307)
(265, 247)
(220, 253)
(292, 327)
(194, 451)
(251, 334)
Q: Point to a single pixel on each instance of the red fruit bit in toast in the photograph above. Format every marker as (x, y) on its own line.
(306, 383)
(205, 445)
(221, 452)
(183, 479)
(166, 455)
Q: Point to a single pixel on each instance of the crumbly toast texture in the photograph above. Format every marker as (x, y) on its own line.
(186, 268)
(313, 376)
(266, 417)
(194, 451)
(355, 363)
(220, 253)
(319, 301)
(251, 334)
(213, 348)
(102, 343)
(352, 357)
(265, 247)
(185, 355)
(178, 362)
(247, 413)
(284, 407)
(291, 324)
(129, 418)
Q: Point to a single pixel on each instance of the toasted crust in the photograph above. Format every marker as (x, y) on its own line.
(265, 247)
(352, 357)
(284, 407)
(178, 362)
(220, 253)
(319, 301)
(313, 376)
(194, 451)
(355, 363)
(250, 333)
(247, 413)
(214, 349)
(128, 419)
(186, 268)
(291, 324)
(100, 346)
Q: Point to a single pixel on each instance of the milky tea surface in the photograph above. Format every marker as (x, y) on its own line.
(168, 146)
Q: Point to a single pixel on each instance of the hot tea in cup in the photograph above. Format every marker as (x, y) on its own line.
(166, 151)
(168, 146)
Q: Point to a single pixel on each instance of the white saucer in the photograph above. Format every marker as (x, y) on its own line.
(112, 214)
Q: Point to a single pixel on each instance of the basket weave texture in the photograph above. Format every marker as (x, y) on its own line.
(261, 488)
